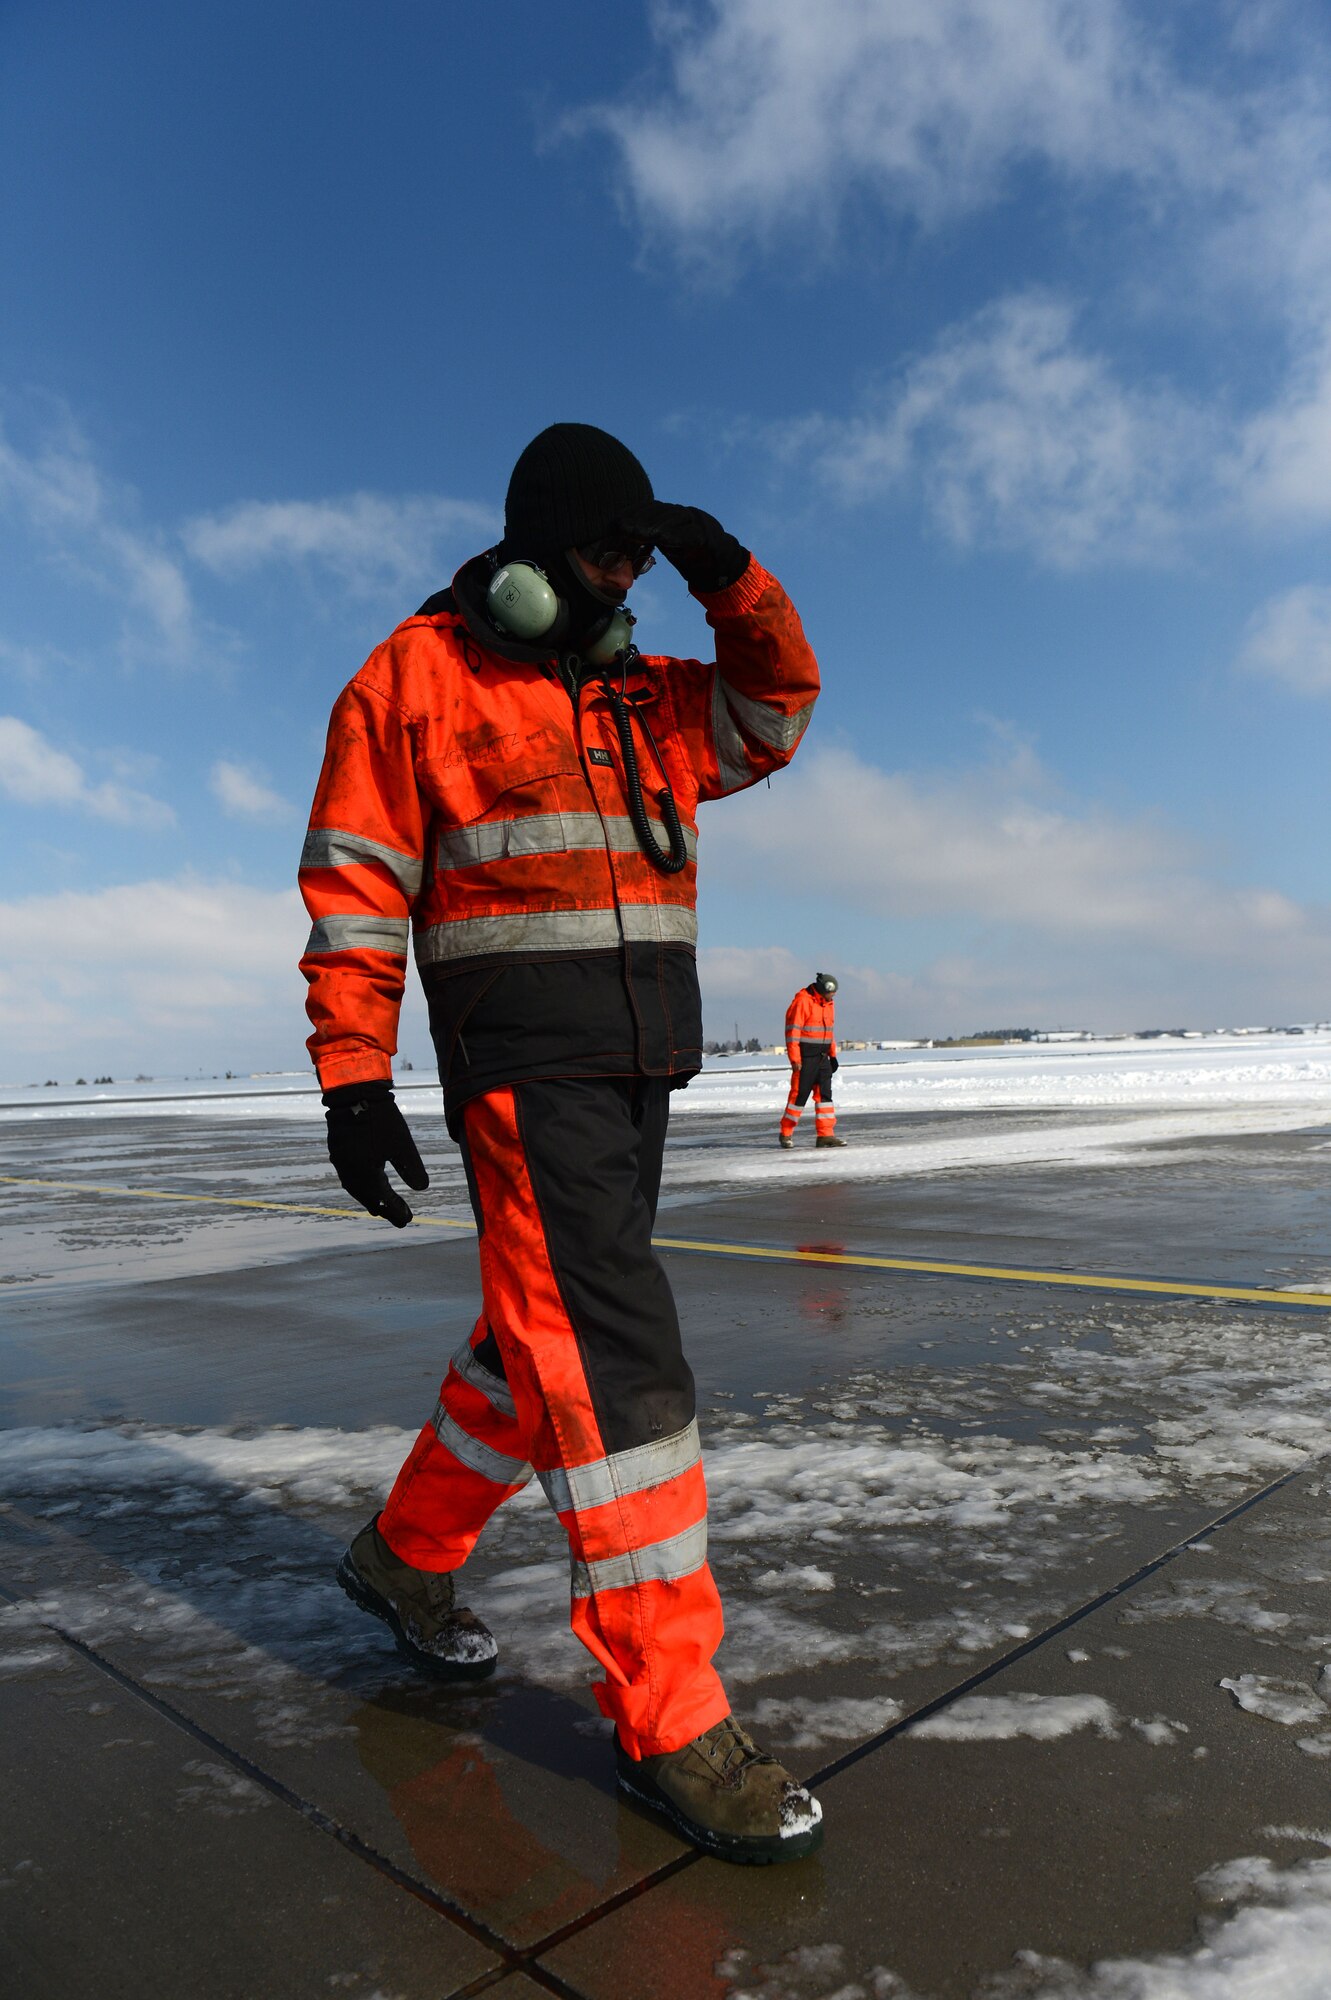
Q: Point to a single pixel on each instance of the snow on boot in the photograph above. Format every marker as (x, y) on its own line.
(783, 1140)
(829, 1141)
(418, 1607)
(727, 1796)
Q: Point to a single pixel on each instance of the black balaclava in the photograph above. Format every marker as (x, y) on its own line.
(568, 486)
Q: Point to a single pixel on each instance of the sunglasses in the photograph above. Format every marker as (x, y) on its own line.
(611, 553)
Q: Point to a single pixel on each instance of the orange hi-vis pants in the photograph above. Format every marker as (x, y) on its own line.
(575, 1371)
(813, 1075)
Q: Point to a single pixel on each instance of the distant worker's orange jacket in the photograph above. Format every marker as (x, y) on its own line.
(467, 798)
(809, 1025)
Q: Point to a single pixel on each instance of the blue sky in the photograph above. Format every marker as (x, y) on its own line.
(996, 327)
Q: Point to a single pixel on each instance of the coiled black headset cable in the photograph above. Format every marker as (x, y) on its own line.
(671, 863)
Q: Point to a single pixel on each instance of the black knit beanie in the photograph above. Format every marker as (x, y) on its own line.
(568, 487)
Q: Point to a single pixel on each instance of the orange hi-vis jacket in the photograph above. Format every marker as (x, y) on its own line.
(469, 799)
(810, 1025)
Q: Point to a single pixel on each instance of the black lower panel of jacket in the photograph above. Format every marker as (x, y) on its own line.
(815, 1068)
(633, 1012)
(593, 1148)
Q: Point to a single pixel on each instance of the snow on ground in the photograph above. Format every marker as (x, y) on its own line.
(1266, 1935)
(823, 1508)
(1220, 1071)
(1064, 1142)
(1088, 1104)
(998, 1718)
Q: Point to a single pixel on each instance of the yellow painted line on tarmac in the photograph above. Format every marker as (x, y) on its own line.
(227, 1201)
(1007, 1274)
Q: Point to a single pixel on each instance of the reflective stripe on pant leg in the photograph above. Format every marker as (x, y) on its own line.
(584, 1320)
(823, 1110)
(790, 1117)
(469, 1458)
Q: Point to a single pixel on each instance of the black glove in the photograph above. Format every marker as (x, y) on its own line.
(704, 554)
(366, 1130)
(834, 1065)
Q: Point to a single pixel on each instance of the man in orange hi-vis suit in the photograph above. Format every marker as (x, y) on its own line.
(513, 788)
(811, 1048)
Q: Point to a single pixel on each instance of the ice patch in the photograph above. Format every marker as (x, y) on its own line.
(796, 1577)
(809, 1972)
(1293, 1703)
(1159, 1730)
(804, 1723)
(1227, 1603)
(996, 1718)
(316, 1466)
(220, 1791)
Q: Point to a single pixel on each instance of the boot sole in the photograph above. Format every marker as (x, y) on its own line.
(748, 1850)
(366, 1599)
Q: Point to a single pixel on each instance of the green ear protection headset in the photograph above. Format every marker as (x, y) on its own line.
(523, 602)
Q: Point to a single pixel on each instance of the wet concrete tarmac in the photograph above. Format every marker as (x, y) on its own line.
(927, 1493)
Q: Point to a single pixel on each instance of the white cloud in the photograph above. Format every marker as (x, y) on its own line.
(62, 497)
(165, 975)
(1211, 154)
(244, 795)
(1016, 435)
(1056, 913)
(368, 540)
(34, 773)
(1289, 640)
(120, 969)
(979, 899)
(930, 104)
(990, 845)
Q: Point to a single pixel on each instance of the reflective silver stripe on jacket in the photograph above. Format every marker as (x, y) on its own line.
(660, 1562)
(330, 847)
(777, 731)
(557, 930)
(475, 1373)
(545, 833)
(359, 934)
(635, 1471)
(729, 709)
(731, 756)
(478, 1457)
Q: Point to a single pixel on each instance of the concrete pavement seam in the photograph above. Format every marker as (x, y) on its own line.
(1054, 1631)
(941, 1701)
(526, 1959)
(434, 1899)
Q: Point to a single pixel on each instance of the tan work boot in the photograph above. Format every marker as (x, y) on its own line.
(783, 1140)
(418, 1607)
(727, 1796)
(829, 1139)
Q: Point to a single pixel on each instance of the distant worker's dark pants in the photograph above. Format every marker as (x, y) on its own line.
(815, 1075)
